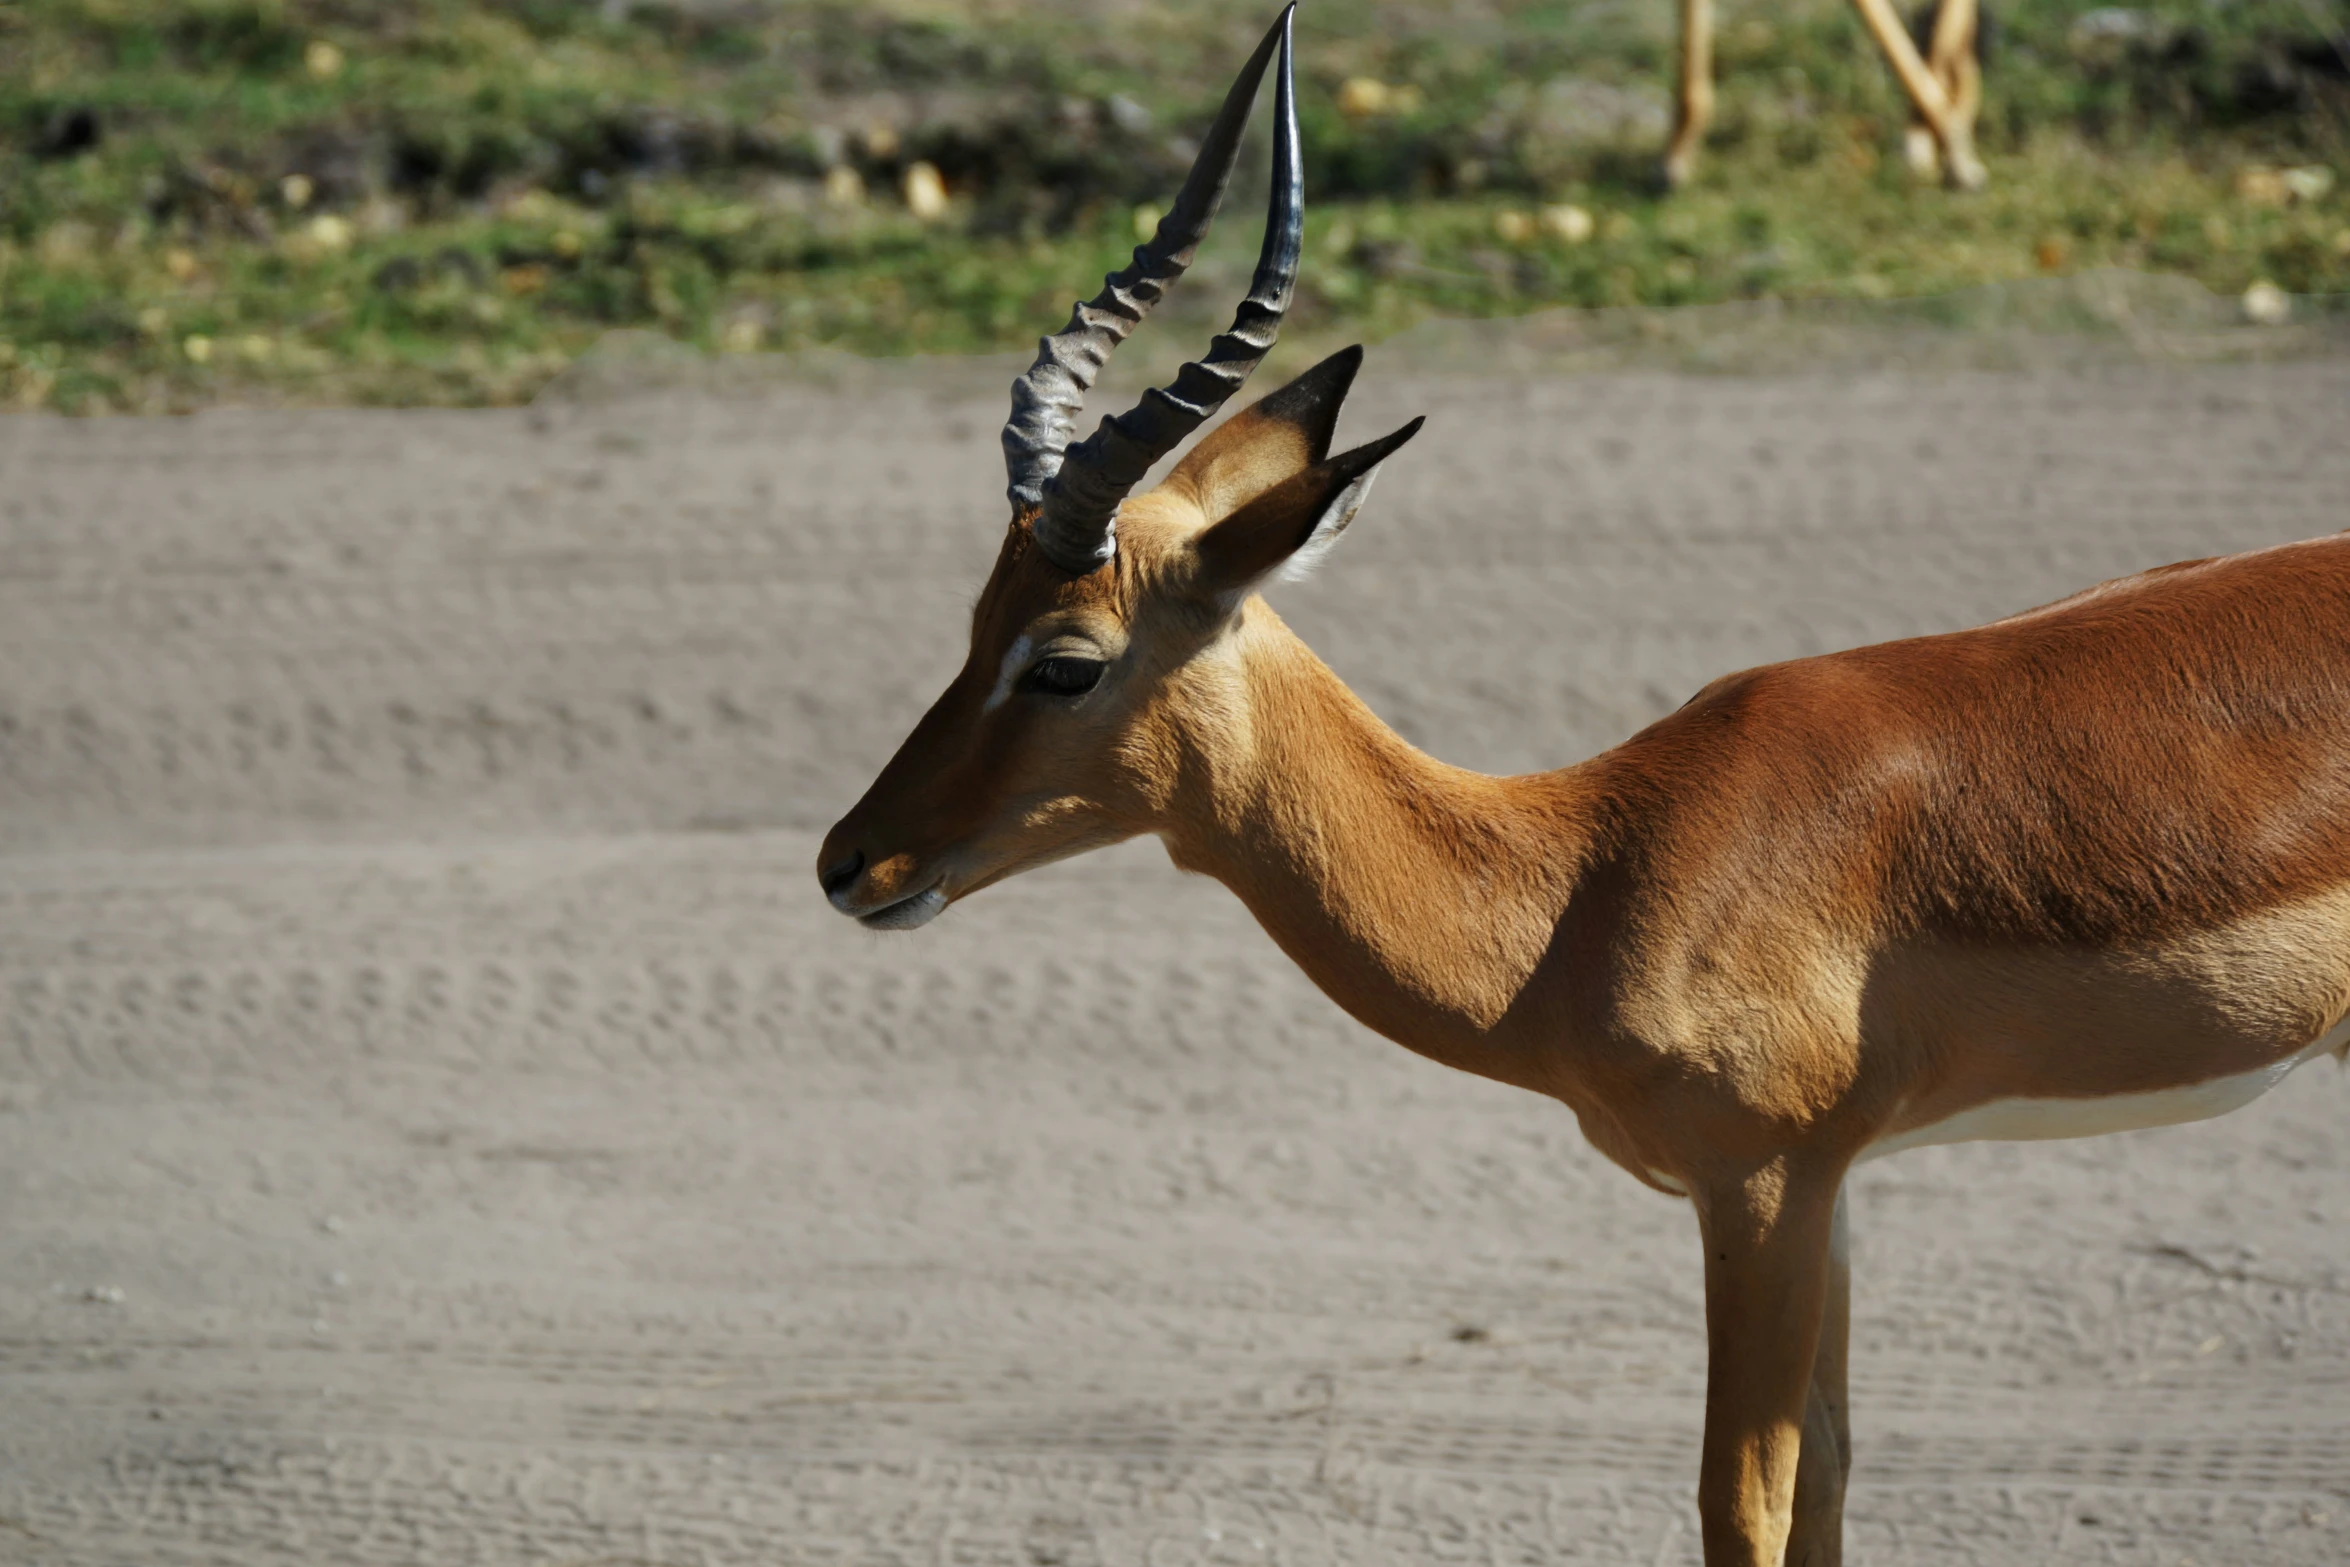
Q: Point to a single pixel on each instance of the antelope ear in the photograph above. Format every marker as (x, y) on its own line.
(1291, 526)
(1274, 438)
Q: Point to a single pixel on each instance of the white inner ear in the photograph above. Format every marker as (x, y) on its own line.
(1333, 521)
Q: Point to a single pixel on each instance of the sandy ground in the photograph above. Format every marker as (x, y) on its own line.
(440, 1122)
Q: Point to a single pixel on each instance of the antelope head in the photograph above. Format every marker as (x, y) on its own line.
(1108, 650)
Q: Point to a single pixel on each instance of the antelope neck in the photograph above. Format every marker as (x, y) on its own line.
(1420, 897)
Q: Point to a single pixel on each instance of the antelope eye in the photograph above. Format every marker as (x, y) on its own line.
(1064, 676)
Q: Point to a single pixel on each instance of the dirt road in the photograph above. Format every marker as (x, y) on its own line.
(440, 1123)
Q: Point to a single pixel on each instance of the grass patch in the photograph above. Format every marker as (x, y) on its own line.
(435, 202)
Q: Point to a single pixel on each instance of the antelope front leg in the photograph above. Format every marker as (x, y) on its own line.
(1767, 1273)
(1695, 108)
(1821, 1472)
(1953, 58)
(1926, 93)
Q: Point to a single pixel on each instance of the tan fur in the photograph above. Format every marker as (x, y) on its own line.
(2097, 849)
(1944, 88)
(1238, 461)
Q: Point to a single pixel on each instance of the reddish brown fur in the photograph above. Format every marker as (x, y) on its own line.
(2096, 849)
(2156, 756)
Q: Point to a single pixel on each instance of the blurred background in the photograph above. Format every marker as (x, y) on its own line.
(442, 1122)
(443, 202)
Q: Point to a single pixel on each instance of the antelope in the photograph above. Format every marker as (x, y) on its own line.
(2080, 870)
(1944, 86)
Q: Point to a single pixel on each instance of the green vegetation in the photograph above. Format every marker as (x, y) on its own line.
(356, 200)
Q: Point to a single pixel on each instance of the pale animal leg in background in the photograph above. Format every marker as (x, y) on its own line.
(1966, 92)
(1952, 55)
(1767, 1246)
(1919, 149)
(1925, 90)
(1825, 1465)
(1695, 109)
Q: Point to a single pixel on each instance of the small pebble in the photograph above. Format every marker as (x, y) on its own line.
(1362, 97)
(2309, 182)
(2258, 185)
(1568, 222)
(2265, 304)
(926, 192)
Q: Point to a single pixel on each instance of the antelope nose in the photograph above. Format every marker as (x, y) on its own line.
(843, 871)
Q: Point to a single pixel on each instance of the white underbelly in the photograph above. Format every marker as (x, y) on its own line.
(2022, 1120)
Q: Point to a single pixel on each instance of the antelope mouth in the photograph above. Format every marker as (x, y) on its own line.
(911, 912)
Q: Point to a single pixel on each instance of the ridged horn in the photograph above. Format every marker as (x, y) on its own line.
(1075, 491)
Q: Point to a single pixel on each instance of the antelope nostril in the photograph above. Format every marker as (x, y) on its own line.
(843, 872)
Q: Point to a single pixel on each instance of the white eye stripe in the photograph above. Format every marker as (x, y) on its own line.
(1015, 661)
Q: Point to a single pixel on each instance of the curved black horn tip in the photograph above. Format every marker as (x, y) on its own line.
(1077, 489)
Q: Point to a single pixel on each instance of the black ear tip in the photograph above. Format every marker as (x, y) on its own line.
(1339, 368)
(1402, 435)
(1314, 396)
(1372, 453)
